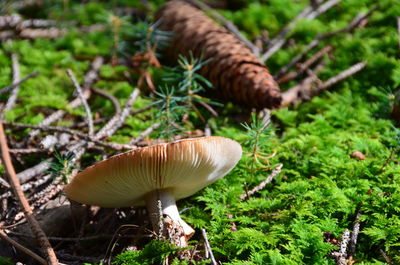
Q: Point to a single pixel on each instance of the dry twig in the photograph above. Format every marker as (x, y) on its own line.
(83, 136)
(322, 9)
(16, 186)
(12, 86)
(20, 247)
(352, 25)
(306, 89)
(280, 39)
(386, 257)
(354, 235)
(398, 29)
(304, 66)
(262, 185)
(110, 128)
(90, 77)
(83, 101)
(145, 133)
(341, 255)
(208, 247)
(16, 77)
(110, 97)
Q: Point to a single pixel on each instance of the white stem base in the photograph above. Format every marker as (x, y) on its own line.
(168, 208)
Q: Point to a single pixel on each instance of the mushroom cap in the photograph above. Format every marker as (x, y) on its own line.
(183, 167)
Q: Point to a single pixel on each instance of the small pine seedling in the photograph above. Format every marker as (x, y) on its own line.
(63, 166)
(258, 132)
(190, 82)
(170, 111)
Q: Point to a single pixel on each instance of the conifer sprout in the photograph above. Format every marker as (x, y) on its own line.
(157, 174)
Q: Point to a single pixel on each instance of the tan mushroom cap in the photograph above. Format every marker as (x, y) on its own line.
(183, 167)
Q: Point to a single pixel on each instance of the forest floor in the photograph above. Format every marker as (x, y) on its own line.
(319, 180)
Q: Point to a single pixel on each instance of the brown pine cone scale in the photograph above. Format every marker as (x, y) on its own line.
(236, 73)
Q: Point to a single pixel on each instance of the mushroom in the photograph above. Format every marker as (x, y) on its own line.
(160, 173)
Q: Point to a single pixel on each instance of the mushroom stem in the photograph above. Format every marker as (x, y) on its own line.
(168, 208)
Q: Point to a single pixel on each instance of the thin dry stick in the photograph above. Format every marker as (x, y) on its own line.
(304, 66)
(209, 250)
(398, 29)
(342, 255)
(341, 76)
(322, 9)
(110, 97)
(89, 79)
(145, 133)
(74, 239)
(305, 90)
(24, 151)
(4, 183)
(160, 220)
(354, 235)
(227, 24)
(83, 101)
(262, 185)
(12, 86)
(118, 120)
(83, 136)
(352, 25)
(22, 248)
(280, 39)
(16, 77)
(386, 257)
(110, 128)
(28, 174)
(296, 92)
(16, 186)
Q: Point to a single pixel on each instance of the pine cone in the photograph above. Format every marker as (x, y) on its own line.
(234, 70)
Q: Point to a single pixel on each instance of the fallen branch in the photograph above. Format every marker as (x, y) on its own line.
(227, 24)
(322, 9)
(16, 186)
(304, 66)
(83, 136)
(280, 39)
(83, 101)
(23, 249)
(24, 151)
(90, 77)
(110, 97)
(354, 235)
(8, 88)
(208, 247)
(262, 185)
(341, 76)
(16, 77)
(398, 29)
(341, 255)
(28, 174)
(307, 88)
(386, 257)
(352, 25)
(109, 129)
(145, 133)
